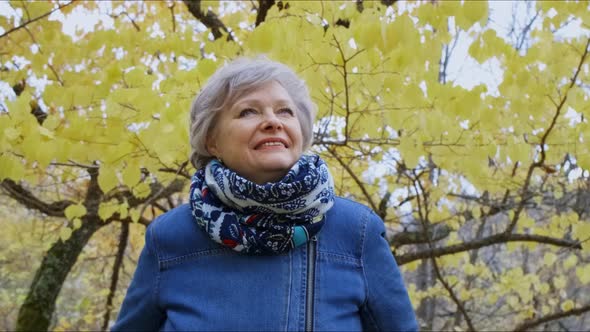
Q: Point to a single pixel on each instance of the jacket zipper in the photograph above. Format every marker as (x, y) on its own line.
(310, 284)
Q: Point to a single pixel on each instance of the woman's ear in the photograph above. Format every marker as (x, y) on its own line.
(211, 146)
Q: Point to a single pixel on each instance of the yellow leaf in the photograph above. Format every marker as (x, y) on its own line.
(583, 273)
(469, 269)
(488, 45)
(567, 305)
(38, 8)
(75, 211)
(492, 298)
(131, 175)
(46, 132)
(560, 282)
(473, 11)
(77, 223)
(410, 151)
(141, 190)
(123, 210)
(107, 209)
(11, 168)
(549, 258)
(65, 233)
(513, 301)
(529, 312)
(138, 77)
(581, 232)
(134, 215)
(464, 294)
(526, 221)
(512, 246)
(89, 318)
(107, 179)
(12, 133)
(570, 262)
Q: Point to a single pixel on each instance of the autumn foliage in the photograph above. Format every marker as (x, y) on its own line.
(484, 187)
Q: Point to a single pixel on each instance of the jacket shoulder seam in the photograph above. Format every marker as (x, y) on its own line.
(365, 222)
(366, 308)
(152, 238)
(340, 257)
(165, 263)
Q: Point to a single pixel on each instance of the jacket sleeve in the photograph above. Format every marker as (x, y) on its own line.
(140, 311)
(387, 306)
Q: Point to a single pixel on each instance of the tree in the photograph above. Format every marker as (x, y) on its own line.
(477, 186)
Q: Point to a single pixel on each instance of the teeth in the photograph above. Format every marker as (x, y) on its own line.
(272, 143)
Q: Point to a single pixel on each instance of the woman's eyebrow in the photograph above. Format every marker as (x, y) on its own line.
(256, 102)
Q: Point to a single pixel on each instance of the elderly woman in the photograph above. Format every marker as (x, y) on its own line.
(264, 244)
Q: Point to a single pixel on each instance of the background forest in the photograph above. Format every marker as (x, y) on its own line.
(469, 139)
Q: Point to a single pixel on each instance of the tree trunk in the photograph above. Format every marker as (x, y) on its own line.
(36, 312)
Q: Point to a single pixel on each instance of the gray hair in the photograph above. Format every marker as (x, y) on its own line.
(232, 81)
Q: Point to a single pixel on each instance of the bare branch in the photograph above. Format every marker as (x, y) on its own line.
(35, 19)
(434, 234)
(388, 2)
(358, 182)
(525, 31)
(178, 171)
(209, 19)
(26, 198)
(485, 242)
(541, 162)
(424, 212)
(263, 7)
(123, 237)
(171, 7)
(529, 324)
(157, 191)
(94, 194)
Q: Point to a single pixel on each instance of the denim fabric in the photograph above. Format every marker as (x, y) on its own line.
(185, 281)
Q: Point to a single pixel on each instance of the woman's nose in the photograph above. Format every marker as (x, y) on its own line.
(271, 121)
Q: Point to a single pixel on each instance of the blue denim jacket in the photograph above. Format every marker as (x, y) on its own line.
(344, 280)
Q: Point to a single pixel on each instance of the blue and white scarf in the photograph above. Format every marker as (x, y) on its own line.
(262, 219)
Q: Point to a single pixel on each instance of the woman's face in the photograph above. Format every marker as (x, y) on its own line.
(259, 136)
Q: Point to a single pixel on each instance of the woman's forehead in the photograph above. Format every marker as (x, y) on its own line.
(271, 90)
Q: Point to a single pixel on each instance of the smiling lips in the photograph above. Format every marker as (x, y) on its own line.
(270, 143)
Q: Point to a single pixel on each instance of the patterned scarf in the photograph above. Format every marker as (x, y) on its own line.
(262, 219)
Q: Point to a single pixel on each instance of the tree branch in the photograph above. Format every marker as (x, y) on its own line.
(543, 142)
(424, 212)
(27, 199)
(485, 242)
(528, 324)
(210, 19)
(434, 233)
(35, 19)
(123, 237)
(157, 191)
(263, 7)
(94, 194)
(356, 180)
(525, 31)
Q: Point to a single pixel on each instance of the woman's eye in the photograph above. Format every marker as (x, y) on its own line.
(246, 112)
(286, 110)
